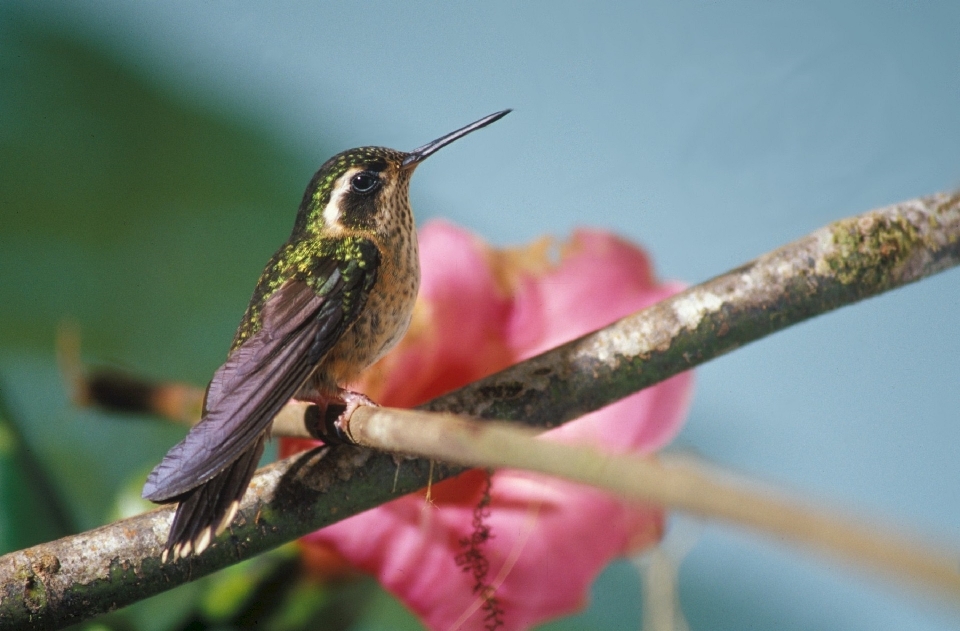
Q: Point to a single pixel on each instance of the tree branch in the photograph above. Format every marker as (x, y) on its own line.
(74, 578)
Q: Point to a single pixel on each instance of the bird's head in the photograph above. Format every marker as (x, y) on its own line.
(366, 189)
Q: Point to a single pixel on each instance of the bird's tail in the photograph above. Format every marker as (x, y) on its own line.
(206, 510)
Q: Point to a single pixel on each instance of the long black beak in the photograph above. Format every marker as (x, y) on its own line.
(421, 153)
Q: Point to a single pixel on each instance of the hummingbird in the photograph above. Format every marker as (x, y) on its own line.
(331, 301)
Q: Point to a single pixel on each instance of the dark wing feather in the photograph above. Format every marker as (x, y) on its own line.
(206, 505)
(262, 374)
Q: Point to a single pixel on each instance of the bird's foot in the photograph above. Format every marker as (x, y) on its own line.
(333, 418)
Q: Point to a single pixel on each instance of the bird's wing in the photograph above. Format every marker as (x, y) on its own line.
(299, 326)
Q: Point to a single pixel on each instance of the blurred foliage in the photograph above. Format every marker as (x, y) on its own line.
(131, 209)
(144, 218)
(139, 215)
(32, 511)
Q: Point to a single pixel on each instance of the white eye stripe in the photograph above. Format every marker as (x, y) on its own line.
(331, 214)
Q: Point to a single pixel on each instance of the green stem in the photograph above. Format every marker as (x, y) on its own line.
(39, 490)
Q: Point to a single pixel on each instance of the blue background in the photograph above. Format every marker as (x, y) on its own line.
(710, 133)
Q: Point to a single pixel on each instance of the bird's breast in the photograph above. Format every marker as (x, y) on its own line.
(384, 318)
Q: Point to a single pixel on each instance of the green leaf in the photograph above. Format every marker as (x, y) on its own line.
(30, 507)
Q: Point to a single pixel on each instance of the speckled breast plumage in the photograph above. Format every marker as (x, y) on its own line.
(386, 315)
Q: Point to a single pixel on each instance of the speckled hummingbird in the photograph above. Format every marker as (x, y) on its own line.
(330, 302)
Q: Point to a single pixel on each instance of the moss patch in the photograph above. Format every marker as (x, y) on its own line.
(869, 249)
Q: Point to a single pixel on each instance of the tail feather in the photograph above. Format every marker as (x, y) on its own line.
(205, 511)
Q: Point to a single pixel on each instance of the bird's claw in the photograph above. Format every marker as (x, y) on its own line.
(333, 419)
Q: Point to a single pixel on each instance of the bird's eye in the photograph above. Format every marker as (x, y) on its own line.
(364, 182)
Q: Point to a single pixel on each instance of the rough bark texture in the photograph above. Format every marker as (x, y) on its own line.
(839, 264)
(75, 578)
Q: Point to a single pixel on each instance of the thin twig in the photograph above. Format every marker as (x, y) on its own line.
(72, 579)
(670, 481)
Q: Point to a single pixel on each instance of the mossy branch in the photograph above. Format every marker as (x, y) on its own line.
(65, 581)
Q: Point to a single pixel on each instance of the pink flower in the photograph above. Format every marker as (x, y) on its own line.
(480, 310)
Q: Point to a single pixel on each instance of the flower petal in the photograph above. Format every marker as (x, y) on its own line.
(457, 333)
(479, 311)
